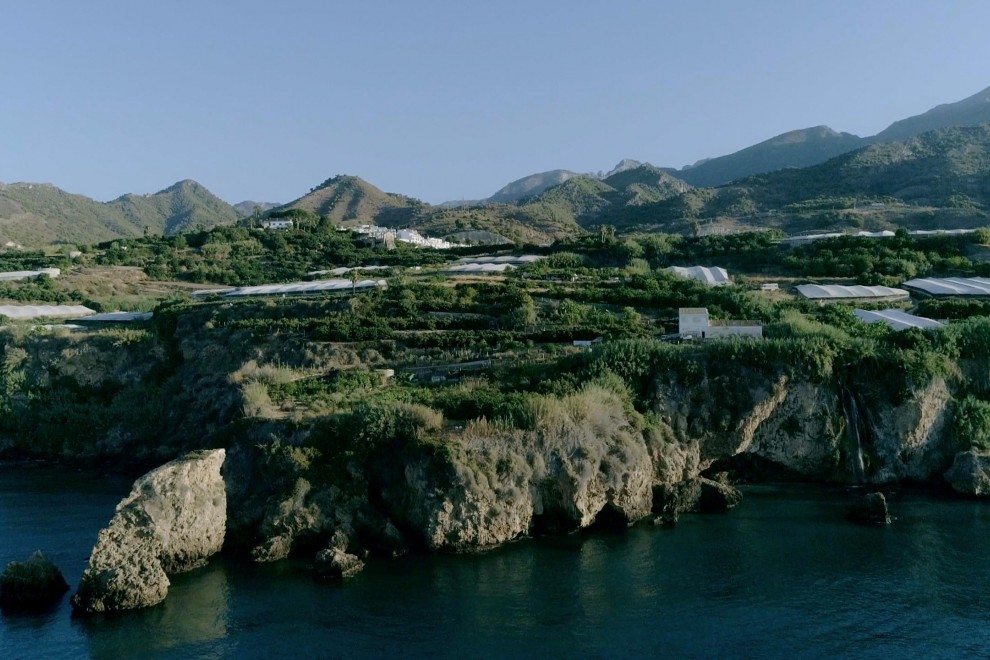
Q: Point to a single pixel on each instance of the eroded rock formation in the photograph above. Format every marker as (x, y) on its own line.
(173, 520)
(970, 473)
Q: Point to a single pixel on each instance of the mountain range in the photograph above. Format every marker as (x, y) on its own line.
(928, 160)
(798, 148)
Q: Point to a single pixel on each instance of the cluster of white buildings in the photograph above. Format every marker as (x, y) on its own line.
(403, 236)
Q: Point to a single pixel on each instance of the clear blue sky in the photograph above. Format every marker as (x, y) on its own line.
(450, 99)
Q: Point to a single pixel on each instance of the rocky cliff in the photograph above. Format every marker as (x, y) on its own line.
(173, 520)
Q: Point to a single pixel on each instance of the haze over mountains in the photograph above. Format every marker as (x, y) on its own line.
(948, 168)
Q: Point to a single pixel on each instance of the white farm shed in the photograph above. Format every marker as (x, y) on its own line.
(20, 312)
(693, 323)
(714, 276)
(840, 292)
(897, 319)
(952, 286)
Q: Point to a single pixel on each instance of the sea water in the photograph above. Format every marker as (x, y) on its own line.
(782, 576)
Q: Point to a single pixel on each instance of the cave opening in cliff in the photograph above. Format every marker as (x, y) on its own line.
(747, 467)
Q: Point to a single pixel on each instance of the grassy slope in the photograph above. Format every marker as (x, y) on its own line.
(39, 214)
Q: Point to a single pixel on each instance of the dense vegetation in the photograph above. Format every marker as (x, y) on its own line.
(431, 354)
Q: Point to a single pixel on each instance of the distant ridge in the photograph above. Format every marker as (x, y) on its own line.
(811, 146)
(33, 214)
(801, 148)
(970, 111)
(534, 184)
(529, 186)
(248, 208)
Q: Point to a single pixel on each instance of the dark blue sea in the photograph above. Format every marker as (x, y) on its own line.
(782, 576)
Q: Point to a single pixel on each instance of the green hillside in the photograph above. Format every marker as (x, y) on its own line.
(616, 200)
(34, 215)
(947, 167)
(183, 206)
(350, 199)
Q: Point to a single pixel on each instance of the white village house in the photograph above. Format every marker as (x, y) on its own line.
(693, 323)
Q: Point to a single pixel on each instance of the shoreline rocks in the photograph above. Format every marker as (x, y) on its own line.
(335, 564)
(173, 520)
(970, 474)
(870, 509)
(32, 585)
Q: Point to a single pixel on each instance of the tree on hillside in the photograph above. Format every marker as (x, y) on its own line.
(606, 233)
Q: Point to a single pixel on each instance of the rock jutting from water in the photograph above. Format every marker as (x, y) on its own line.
(34, 584)
(870, 509)
(173, 520)
(335, 564)
(970, 473)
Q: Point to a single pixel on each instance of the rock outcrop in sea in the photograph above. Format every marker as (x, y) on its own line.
(970, 473)
(870, 509)
(34, 584)
(173, 520)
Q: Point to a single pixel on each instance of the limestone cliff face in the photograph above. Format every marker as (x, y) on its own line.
(581, 460)
(820, 431)
(587, 458)
(173, 520)
(912, 440)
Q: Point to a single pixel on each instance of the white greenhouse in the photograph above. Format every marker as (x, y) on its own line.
(840, 292)
(116, 317)
(897, 319)
(21, 312)
(517, 260)
(483, 268)
(294, 288)
(714, 276)
(952, 286)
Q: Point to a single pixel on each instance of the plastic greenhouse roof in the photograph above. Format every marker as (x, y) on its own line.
(118, 317)
(317, 286)
(897, 319)
(711, 276)
(836, 291)
(480, 268)
(952, 286)
(504, 259)
(43, 311)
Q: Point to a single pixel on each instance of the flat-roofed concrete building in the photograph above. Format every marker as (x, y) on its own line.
(694, 323)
